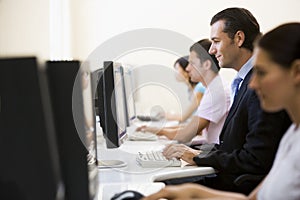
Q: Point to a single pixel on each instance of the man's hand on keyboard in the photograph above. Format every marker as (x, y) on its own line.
(156, 159)
(180, 151)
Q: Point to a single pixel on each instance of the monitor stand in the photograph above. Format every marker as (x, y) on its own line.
(102, 164)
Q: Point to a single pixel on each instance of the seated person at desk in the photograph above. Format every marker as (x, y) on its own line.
(195, 89)
(250, 137)
(276, 79)
(214, 105)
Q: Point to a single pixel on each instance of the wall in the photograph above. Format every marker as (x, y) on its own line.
(55, 29)
(25, 24)
(102, 20)
(24, 28)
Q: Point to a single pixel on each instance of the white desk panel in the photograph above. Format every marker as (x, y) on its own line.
(132, 173)
(135, 173)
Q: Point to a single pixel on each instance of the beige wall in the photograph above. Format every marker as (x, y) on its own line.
(65, 29)
(24, 28)
(25, 24)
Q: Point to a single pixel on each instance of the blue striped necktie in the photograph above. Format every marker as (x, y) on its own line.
(235, 86)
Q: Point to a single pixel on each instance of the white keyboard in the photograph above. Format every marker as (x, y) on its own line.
(156, 159)
(142, 136)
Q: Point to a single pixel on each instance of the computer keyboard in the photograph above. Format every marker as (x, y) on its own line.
(142, 136)
(156, 159)
(147, 118)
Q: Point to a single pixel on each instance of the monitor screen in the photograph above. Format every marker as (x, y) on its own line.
(84, 116)
(130, 94)
(112, 106)
(120, 100)
(95, 76)
(29, 159)
(98, 96)
(70, 90)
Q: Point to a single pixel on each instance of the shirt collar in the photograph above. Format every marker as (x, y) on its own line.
(246, 68)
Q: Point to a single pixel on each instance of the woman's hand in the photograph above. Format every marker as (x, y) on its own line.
(148, 129)
(174, 192)
(194, 191)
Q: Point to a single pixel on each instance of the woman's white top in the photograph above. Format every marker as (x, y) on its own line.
(283, 181)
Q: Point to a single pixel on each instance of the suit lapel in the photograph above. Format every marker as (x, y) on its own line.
(239, 97)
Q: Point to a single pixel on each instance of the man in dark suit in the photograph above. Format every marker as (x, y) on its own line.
(250, 137)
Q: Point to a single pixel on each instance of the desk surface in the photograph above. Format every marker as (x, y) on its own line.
(133, 173)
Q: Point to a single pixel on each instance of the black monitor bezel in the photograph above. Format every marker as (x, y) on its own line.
(31, 168)
(108, 104)
(71, 143)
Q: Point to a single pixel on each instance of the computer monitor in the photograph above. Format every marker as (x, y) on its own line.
(98, 100)
(98, 96)
(70, 91)
(130, 94)
(95, 76)
(29, 166)
(112, 105)
(122, 93)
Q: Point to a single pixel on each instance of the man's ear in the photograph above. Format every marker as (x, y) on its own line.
(239, 38)
(207, 64)
(296, 71)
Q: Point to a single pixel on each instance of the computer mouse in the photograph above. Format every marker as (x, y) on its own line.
(128, 195)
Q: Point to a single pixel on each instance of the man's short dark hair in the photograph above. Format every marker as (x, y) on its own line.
(239, 19)
(201, 48)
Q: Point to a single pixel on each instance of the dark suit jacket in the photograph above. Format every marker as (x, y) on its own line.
(248, 141)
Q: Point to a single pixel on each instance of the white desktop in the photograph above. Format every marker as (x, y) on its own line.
(133, 176)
